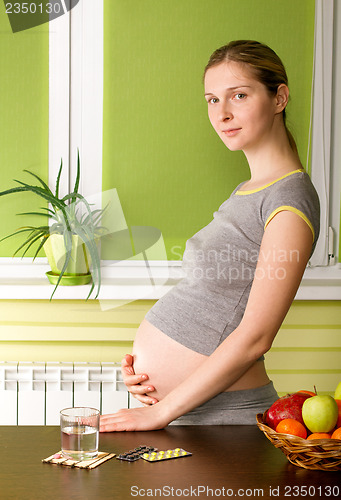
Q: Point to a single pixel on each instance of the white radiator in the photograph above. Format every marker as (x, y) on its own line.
(33, 393)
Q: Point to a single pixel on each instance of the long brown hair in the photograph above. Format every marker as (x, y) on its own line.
(264, 63)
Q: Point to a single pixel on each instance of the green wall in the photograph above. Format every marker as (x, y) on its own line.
(24, 70)
(159, 149)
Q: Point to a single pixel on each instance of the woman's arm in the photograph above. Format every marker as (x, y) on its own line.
(284, 253)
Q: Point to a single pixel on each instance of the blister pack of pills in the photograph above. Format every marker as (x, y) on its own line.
(157, 456)
(136, 453)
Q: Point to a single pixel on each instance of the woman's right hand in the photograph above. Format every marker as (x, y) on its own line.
(134, 382)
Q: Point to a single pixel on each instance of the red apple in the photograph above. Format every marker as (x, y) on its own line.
(289, 406)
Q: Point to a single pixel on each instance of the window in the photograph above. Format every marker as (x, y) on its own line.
(76, 119)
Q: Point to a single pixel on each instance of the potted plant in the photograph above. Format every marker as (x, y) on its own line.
(70, 241)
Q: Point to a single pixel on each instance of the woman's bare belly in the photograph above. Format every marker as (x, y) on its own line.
(167, 363)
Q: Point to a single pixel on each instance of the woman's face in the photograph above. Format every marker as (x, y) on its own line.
(240, 108)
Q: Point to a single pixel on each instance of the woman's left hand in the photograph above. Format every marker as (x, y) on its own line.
(135, 419)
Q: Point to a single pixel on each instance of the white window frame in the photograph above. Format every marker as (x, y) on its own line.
(76, 96)
(335, 189)
(325, 148)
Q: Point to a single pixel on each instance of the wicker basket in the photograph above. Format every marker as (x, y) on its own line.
(319, 454)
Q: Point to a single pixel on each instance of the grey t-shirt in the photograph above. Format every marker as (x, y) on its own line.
(220, 261)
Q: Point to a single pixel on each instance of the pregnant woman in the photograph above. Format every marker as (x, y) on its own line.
(198, 354)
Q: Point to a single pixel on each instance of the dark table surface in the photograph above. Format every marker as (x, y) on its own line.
(226, 461)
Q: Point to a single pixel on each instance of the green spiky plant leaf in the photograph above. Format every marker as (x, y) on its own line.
(69, 215)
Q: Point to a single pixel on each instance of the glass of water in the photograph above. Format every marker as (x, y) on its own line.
(79, 432)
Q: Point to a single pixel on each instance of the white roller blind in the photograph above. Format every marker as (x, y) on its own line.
(321, 124)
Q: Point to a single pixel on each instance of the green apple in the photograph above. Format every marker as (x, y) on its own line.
(337, 394)
(320, 413)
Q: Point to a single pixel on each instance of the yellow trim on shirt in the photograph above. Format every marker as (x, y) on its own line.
(290, 209)
(239, 192)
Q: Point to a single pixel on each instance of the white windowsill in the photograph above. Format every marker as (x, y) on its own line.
(24, 279)
(320, 283)
(130, 280)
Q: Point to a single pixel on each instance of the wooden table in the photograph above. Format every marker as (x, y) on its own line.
(227, 461)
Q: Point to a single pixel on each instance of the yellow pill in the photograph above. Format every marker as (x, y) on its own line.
(177, 449)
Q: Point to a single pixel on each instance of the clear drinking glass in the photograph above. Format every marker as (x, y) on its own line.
(79, 432)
